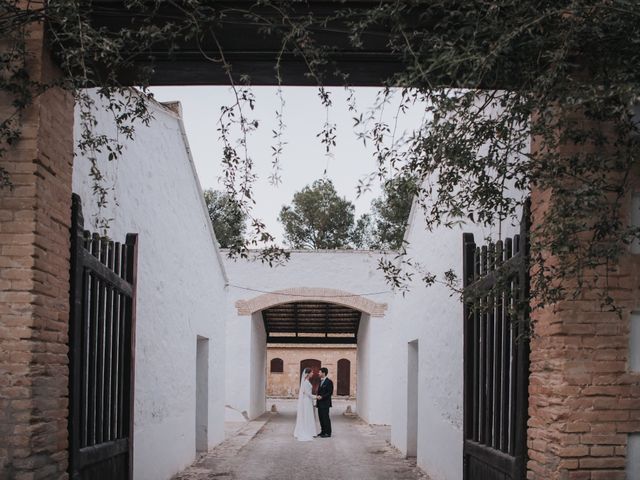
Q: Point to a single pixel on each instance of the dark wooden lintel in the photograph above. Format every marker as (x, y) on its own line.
(309, 340)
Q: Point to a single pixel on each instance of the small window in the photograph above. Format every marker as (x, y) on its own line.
(277, 365)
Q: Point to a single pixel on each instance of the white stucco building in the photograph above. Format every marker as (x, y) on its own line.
(179, 362)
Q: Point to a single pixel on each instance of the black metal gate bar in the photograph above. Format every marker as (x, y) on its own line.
(101, 349)
(496, 356)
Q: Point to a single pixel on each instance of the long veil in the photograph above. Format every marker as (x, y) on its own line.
(300, 391)
(300, 410)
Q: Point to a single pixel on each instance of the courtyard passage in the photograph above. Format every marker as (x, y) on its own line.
(266, 449)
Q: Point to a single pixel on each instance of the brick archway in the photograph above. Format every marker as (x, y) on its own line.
(299, 294)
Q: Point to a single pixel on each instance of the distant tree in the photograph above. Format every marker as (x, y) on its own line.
(227, 218)
(363, 234)
(318, 218)
(390, 213)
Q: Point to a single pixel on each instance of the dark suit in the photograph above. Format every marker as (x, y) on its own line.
(325, 390)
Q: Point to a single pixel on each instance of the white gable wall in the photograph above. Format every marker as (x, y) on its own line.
(181, 288)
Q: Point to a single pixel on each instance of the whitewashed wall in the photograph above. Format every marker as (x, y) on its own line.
(433, 317)
(351, 271)
(238, 364)
(181, 288)
(258, 358)
(363, 357)
(375, 359)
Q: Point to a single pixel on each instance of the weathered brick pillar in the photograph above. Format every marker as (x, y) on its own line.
(582, 400)
(34, 281)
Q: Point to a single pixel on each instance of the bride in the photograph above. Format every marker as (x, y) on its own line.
(305, 420)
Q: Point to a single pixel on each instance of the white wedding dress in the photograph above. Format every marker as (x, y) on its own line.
(305, 419)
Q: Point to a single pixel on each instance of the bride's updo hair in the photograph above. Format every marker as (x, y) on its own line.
(306, 371)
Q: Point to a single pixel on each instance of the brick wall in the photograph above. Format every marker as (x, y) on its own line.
(287, 383)
(34, 283)
(582, 400)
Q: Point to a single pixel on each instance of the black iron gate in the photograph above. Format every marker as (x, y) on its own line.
(496, 356)
(101, 353)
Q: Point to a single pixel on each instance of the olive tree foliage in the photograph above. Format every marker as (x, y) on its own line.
(384, 227)
(227, 218)
(363, 234)
(391, 211)
(492, 75)
(318, 218)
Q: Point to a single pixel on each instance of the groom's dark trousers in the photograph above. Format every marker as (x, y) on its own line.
(325, 390)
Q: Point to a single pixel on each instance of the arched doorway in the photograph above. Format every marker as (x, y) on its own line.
(344, 377)
(314, 365)
(311, 319)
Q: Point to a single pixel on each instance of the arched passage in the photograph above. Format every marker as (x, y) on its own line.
(296, 317)
(307, 294)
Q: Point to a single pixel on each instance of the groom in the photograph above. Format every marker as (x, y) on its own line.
(325, 390)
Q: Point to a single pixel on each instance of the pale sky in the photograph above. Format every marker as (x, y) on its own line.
(304, 159)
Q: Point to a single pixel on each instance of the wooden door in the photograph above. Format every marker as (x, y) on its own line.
(314, 365)
(344, 377)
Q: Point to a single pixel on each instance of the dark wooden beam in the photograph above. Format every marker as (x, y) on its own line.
(249, 49)
(326, 320)
(311, 330)
(310, 340)
(319, 318)
(313, 314)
